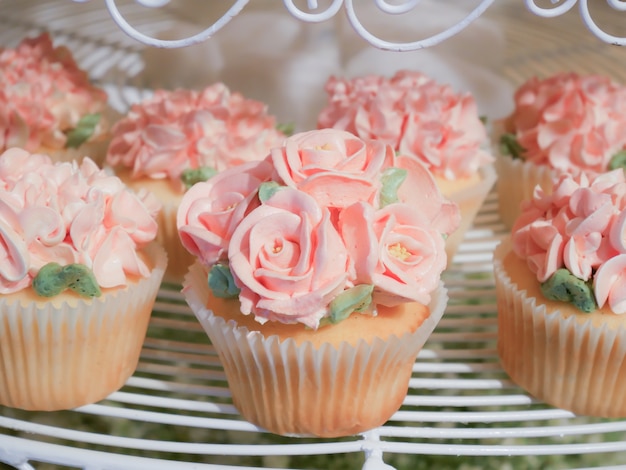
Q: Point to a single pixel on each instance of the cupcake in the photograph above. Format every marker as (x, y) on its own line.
(78, 278)
(174, 139)
(566, 123)
(323, 264)
(561, 295)
(48, 105)
(425, 120)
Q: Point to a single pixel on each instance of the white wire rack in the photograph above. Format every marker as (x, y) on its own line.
(175, 412)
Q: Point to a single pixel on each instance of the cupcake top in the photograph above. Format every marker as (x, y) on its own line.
(191, 135)
(328, 224)
(45, 99)
(69, 222)
(415, 115)
(573, 240)
(569, 122)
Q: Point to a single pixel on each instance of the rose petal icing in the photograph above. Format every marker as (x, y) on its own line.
(173, 131)
(581, 226)
(69, 213)
(307, 224)
(43, 95)
(570, 122)
(415, 115)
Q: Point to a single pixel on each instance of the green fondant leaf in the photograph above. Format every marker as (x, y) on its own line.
(52, 279)
(268, 189)
(618, 161)
(565, 287)
(286, 128)
(355, 299)
(391, 180)
(510, 146)
(83, 130)
(221, 282)
(191, 176)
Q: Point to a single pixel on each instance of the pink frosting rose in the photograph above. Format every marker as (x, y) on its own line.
(570, 122)
(43, 94)
(177, 130)
(67, 213)
(414, 114)
(580, 227)
(288, 259)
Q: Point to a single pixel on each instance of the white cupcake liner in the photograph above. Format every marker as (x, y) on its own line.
(568, 362)
(292, 389)
(469, 200)
(61, 355)
(179, 259)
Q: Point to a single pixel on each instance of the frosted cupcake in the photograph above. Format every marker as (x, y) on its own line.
(561, 295)
(48, 105)
(425, 120)
(174, 139)
(78, 279)
(566, 123)
(323, 264)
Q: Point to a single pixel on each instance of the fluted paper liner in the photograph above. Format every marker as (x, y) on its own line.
(179, 259)
(61, 356)
(300, 390)
(469, 200)
(567, 363)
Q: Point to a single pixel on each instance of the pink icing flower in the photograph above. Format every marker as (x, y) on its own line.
(334, 166)
(394, 248)
(67, 213)
(210, 211)
(288, 259)
(570, 122)
(43, 94)
(415, 115)
(177, 130)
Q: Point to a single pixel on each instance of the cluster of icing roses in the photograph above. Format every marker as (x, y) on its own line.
(174, 131)
(67, 213)
(326, 225)
(415, 115)
(581, 227)
(569, 122)
(44, 96)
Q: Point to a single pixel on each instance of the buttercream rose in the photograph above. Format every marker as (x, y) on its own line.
(288, 259)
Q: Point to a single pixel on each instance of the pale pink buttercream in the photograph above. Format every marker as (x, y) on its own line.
(581, 226)
(69, 213)
(320, 227)
(414, 114)
(570, 122)
(183, 129)
(43, 94)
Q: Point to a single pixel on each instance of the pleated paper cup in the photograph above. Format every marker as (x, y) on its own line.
(469, 200)
(574, 361)
(69, 351)
(299, 389)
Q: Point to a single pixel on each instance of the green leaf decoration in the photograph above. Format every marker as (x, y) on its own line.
(510, 146)
(221, 282)
(83, 130)
(286, 128)
(391, 180)
(484, 120)
(268, 189)
(191, 176)
(355, 299)
(618, 161)
(565, 287)
(52, 279)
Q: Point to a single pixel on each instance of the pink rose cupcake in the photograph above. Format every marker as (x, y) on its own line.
(425, 120)
(174, 139)
(79, 274)
(560, 285)
(48, 105)
(566, 123)
(323, 265)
